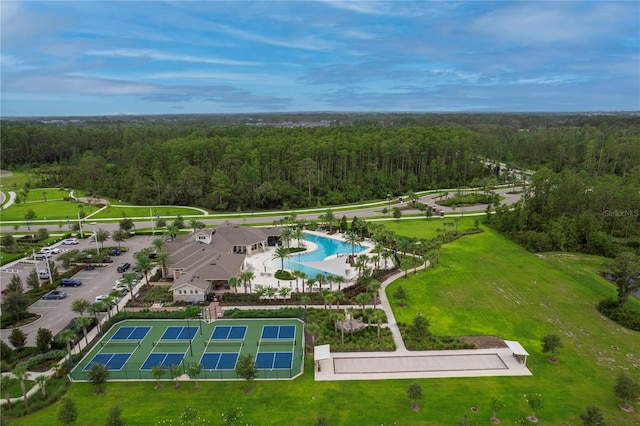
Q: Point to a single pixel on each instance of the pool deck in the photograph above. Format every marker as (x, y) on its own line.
(259, 264)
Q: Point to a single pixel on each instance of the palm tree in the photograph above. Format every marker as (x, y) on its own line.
(281, 253)
(361, 263)
(80, 306)
(298, 235)
(324, 293)
(305, 299)
(378, 317)
(102, 235)
(172, 231)
(340, 317)
(84, 322)
(5, 384)
(310, 283)
(312, 329)
(352, 238)
(284, 292)
(42, 383)
(339, 279)
(159, 244)
(303, 277)
(130, 281)
(66, 337)
(362, 299)
(286, 236)
(95, 310)
(246, 278)
(143, 264)
(21, 374)
(330, 298)
(329, 218)
(271, 292)
(339, 297)
(320, 279)
(234, 282)
(373, 286)
(163, 258)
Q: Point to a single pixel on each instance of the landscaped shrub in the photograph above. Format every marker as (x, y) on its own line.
(265, 313)
(45, 359)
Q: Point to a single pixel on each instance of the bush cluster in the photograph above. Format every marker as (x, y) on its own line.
(265, 313)
(626, 318)
(44, 359)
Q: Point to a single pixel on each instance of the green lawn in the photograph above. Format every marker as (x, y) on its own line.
(485, 285)
(115, 211)
(51, 210)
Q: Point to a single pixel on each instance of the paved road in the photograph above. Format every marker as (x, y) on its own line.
(361, 211)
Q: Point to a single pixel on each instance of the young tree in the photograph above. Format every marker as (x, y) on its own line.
(126, 225)
(247, 369)
(98, 375)
(535, 403)
(232, 416)
(44, 337)
(281, 253)
(114, 417)
(83, 323)
(18, 339)
(6, 353)
(158, 371)
(419, 329)
(21, 374)
(15, 284)
(175, 371)
(189, 415)
(401, 295)
(68, 413)
(194, 371)
(362, 299)
(15, 304)
(119, 236)
(496, 405)
(415, 394)
(551, 343)
(592, 417)
(33, 281)
(626, 389)
(378, 317)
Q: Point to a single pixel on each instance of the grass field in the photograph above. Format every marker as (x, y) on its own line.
(51, 211)
(485, 285)
(115, 211)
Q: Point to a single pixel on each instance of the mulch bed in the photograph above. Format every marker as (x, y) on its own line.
(484, 342)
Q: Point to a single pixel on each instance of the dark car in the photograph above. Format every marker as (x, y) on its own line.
(55, 294)
(115, 252)
(70, 282)
(123, 267)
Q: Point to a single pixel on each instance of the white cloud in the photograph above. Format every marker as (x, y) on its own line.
(160, 56)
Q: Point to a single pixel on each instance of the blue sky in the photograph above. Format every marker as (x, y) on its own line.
(117, 57)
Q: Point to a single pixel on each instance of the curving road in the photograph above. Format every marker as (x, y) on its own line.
(362, 211)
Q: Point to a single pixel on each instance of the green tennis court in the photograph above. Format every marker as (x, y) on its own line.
(131, 348)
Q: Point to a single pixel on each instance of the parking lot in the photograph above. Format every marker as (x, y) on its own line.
(57, 314)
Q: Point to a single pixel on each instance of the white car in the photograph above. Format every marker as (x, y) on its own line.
(120, 282)
(50, 250)
(70, 241)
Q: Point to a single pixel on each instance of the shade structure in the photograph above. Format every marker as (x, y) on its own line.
(322, 352)
(518, 351)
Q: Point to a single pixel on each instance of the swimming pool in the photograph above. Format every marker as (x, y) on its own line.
(326, 247)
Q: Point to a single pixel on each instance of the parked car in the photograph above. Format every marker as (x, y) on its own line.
(153, 254)
(70, 282)
(115, 252)
(41, 256)
(4, 291)
(70, 241)
(123, 267)
(55, 294)
(43, 275)
(50, 250)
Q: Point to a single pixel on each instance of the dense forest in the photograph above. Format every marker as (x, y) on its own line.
(584, 196)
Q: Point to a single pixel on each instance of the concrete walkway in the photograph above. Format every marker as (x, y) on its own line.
(405, 364)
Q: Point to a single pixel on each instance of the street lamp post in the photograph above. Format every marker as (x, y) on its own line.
(95, 236)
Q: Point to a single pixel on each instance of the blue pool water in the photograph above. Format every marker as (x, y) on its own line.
(326, 248)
